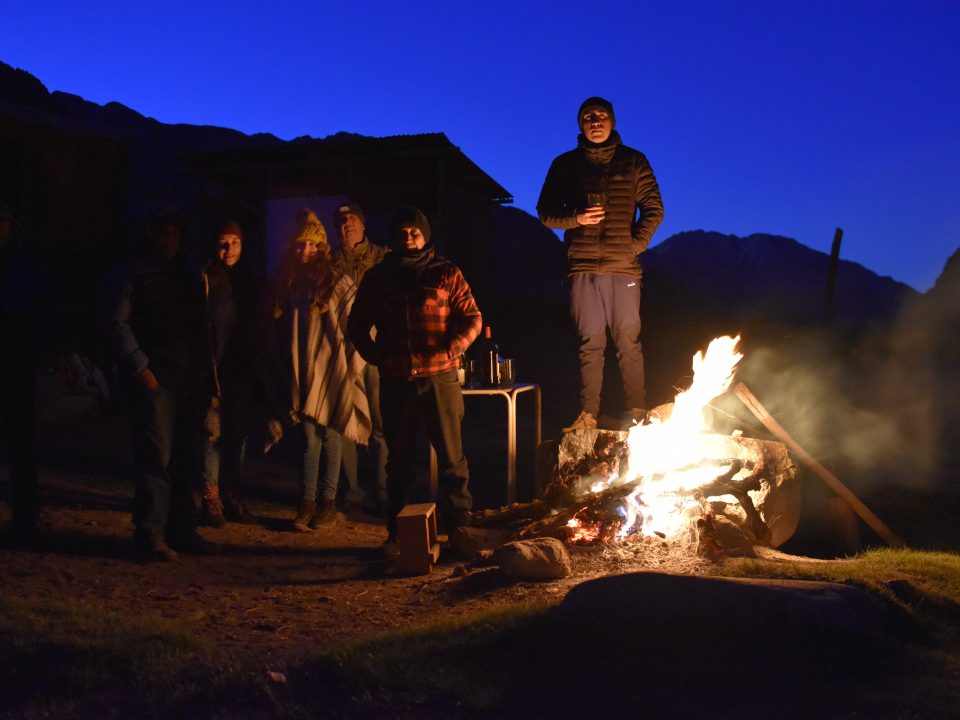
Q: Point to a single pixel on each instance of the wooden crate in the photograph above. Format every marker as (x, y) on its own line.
(417, 535)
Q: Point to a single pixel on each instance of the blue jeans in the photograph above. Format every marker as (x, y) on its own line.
(166, 427)
(223, 458)
(324, 444)
(598, 302)
(377, 448)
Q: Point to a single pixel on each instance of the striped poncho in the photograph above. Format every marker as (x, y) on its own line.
(313, 369)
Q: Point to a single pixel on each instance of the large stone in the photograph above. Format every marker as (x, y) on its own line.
(654, 603)
(542, 558)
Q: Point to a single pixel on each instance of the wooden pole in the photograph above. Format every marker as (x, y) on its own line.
(830, 297)
(878, 526)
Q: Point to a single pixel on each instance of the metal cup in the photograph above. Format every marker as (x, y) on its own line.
(506, 372)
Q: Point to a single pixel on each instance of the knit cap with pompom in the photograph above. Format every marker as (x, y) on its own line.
(311, 230)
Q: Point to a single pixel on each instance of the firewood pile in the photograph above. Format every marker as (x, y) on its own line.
(753, 498)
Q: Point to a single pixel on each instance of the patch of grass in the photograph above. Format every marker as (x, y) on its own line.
(925, 585)
(69, 660)
(526, 661)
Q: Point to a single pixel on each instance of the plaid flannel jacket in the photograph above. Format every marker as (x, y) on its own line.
(413, 324)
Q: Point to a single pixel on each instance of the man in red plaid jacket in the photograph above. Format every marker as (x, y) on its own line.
(413, 317)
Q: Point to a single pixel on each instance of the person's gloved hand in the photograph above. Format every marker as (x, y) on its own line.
(274, 433)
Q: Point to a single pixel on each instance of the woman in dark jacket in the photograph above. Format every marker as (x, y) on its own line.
(231, 296)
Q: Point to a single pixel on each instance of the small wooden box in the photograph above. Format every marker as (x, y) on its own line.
(417, 535)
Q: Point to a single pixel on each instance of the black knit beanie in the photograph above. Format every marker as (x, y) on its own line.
(596, 102)
(349, 209)
(409, 216)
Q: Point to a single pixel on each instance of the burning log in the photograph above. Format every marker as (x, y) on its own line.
(750, 497)
(669, 477)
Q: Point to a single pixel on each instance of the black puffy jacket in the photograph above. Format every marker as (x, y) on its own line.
(625, 180)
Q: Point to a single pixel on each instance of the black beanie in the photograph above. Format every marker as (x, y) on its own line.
(409, 216)
(350, 208)
(597, 102)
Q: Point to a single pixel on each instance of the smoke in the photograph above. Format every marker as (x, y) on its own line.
(875, 406)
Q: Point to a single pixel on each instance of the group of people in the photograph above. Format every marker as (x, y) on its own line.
(355, 347)
(330, 340)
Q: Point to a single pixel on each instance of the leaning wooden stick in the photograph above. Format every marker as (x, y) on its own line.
(878, 526)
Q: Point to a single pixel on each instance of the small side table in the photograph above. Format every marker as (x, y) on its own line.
(510, 394)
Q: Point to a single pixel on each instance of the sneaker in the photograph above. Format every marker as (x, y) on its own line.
(236, 511)
(152, 548)
(325, 517)
(304, 515)
(211, 511)
(353, 507)
(192, 543)
(584, 421)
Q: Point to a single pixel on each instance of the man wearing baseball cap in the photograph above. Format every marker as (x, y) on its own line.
(605, 198)
(356, 255)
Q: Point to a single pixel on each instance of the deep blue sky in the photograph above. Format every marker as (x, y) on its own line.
(788, 117)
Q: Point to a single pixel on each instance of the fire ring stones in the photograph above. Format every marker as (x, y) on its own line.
(542, 558)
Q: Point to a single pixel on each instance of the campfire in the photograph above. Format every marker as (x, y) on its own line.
(671, 478)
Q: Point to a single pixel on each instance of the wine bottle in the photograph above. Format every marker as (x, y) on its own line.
(489, 360)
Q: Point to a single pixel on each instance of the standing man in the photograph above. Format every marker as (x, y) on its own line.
(355, 256)
(425, 318)
(605, 197)
(151, 321)
(26, 300)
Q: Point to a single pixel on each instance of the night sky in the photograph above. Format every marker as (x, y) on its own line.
(775, 116)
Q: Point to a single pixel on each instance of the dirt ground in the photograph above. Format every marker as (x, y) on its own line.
(272, 594)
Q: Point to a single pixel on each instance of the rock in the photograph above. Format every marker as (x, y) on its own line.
(726, 537)
(540, 558)
(470, 541)
(649, 603)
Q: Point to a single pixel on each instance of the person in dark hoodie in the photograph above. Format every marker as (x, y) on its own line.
(425, 318)
(231, 298)
(152, 323)
(605, 198)
(26, 297)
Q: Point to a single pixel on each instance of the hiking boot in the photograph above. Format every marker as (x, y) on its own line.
(152, 548)
(326, 516)
(584, 421)
(192, 543)
(638, 416)
(304, 515)
(211, 510)
(235, 511)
